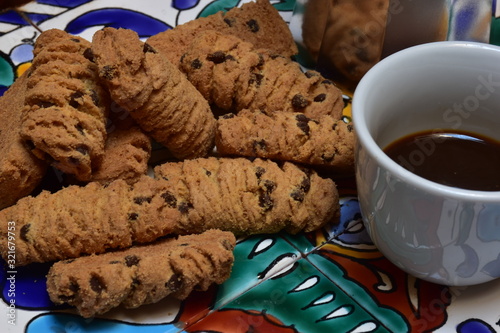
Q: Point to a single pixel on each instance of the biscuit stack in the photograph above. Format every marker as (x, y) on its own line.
(93, 111)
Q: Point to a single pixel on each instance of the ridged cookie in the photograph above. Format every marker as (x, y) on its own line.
(64, 120)
(234, 75)
(248, 197)
(257, 22)
(78, 220)
(158, 96)
(142, 274)
(126, 153)
(238, 195)
(288, 136)
(20, 171)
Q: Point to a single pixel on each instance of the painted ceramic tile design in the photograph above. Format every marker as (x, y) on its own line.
(332, 280)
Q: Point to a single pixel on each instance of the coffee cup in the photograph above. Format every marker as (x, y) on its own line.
(440, 233)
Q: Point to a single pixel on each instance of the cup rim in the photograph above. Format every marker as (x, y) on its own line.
(366, 140)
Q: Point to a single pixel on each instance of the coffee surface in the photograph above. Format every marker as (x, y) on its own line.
(460, 159)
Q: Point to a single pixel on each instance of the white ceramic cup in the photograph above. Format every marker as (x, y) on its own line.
(435, 232)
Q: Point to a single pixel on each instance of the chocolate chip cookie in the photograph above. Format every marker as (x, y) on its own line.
(142, 274)
(288, 136)
(64, 120)
(158, 96)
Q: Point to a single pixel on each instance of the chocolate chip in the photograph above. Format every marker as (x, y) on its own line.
(259, 171)
(89, 55)
(261, 60)
(108, 72)
(208, 172)
(133, 216)
(334, 126)
(174, 283)
(170, 199)
(148, 49)
(74, 287)
(305, 185)
(196, 64)
(96, 284)
(76, 40)
(184, 207)
(217, 57)
(131, 260)
(259, 145)
(73, 99)
(302, 118)
(68, 261)
(297, 195)
(24, 232)
(265, 201)
(253, 25)
(299, 101)
(303, 123)
(320, 98)
(256, 78)
(269, 185)
(350, 128)
(141, 200)
(326, 81)
(114, 262)
(230, 21)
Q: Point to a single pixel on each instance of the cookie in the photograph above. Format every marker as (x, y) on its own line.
(20, 171)
(158, 96)
(233, 75)
(78, 220)
(238, 195)
(257, 22)
(64, 119)
(126, 153)
(288, 136)
(353, 37)
(142, 274)
(248, 197)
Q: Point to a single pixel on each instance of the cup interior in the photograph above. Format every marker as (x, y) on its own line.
(442, 85)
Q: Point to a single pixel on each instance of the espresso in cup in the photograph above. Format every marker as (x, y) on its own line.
(455, 158)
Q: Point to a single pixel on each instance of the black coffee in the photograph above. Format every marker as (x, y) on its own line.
(454, 158)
